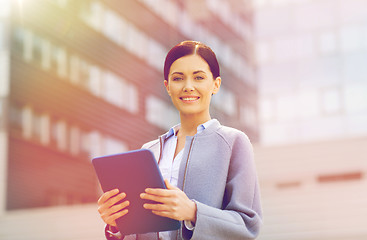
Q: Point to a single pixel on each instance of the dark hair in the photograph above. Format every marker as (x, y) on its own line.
(189, 48)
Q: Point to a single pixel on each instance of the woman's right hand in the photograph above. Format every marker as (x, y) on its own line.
(108, 210)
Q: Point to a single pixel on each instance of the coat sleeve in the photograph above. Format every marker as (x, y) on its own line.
(240, 215)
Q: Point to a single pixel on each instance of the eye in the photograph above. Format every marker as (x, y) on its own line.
(199, 78)
(177, 78)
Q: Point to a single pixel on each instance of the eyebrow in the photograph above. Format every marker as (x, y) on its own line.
(195, 72)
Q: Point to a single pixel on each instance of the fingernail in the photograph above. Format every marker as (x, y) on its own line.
(142, 195)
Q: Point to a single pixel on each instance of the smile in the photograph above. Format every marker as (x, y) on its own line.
(189, 99)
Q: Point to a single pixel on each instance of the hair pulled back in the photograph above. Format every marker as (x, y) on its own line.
(186, 48)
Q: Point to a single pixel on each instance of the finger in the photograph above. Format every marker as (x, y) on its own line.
(111, 220)
(156, 207)
(110, 202)
(169, 185)
(107, 195)
(116, 208)
(155, 198)
(158, 192)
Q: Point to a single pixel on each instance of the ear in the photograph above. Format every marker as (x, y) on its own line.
(217, 83)
(167, 87)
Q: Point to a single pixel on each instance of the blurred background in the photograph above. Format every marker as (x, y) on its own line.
(80, 79)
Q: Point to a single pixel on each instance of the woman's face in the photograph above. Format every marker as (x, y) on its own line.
(190, 84)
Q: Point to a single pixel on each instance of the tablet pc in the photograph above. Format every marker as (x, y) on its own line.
(132, 172)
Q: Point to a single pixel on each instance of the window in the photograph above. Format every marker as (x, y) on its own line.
(355, 98)
(94, 84)
(309, 104)
(75, 140)
(113, 89)
(113, 27)
(92, 13)
(112, 146)
(74, 69)
(27, 122)
(225, 100)
(28, 45)
(4, 73)
(41, 128)
(95, 144)
(46, 54)
(160, 113)
(267, 110)
(327, 43)
(248, 116)
(59, 134)
(156, 54)
(59, 58)
(351, 38)
(331, 100)
(286, 108)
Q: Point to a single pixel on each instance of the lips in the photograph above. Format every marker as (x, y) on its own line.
(189, 98)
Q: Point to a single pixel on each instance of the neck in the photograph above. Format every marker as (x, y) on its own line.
(189, 123)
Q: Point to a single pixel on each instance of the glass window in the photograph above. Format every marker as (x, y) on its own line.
(351, 38)
(92, 13)
(327, 42)
(286, 108)
(75, 140)
(28, 45)
(16, 116)
(355, 96)
(41, 128)
(37, 49)
(113, 146)
(19, 40)
(59, 59)
(308, 104)
(331, 100)
(113, 89)
(267, 110)
(132, 98)
(156, 54)
(94, 83)
(160, 113)
(112, 27)
(95, 144)
(305, 46)
(354, 67)
(248, 116)
(59, 134)
(225, 100)
(284, 48)
(27, 115)
(74, 69)
(46, 54)
(4, 73)
(262, 52)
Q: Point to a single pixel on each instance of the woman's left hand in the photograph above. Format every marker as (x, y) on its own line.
(171, 202)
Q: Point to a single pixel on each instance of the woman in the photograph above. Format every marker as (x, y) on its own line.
(208, 168)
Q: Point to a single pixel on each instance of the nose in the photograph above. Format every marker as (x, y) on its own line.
(189, 86)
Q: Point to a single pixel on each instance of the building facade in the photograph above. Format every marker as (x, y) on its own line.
(310, 58)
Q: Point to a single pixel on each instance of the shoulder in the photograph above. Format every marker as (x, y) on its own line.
(233, 136)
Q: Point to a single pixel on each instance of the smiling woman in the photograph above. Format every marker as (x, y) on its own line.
(208, 168)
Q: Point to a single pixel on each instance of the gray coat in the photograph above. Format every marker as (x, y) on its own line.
(217, 172)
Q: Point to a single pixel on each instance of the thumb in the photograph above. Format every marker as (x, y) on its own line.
(168, 185)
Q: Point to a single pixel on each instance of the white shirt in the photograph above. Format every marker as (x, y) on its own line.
(170, 167)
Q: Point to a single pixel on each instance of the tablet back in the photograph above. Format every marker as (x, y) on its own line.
(132, 172)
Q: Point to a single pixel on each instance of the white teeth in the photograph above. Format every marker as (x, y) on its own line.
(189, 99)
